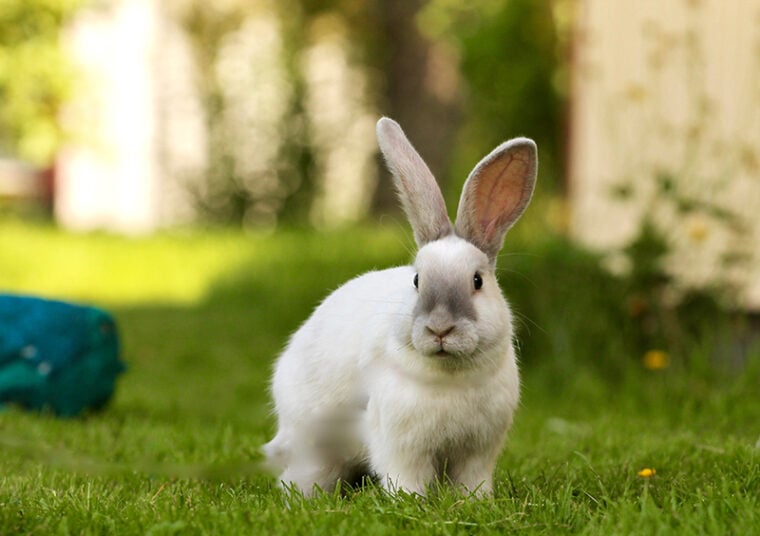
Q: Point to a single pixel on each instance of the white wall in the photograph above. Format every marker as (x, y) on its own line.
(670, 89)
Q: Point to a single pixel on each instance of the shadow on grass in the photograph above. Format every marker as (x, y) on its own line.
(212, 360)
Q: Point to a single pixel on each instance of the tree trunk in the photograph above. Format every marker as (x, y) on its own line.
(422, 91)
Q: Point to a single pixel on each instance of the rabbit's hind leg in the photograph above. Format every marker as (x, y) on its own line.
(309, 478)
(311, 466)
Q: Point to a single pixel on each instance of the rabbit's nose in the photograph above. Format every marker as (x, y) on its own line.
(440, 332)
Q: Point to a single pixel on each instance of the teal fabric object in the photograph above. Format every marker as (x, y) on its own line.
(56, 356)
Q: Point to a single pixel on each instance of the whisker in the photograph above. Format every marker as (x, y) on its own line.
(405, 346)
(526, 321)
(394, 302)
(522, 276)
(403, 235)
(517, 254)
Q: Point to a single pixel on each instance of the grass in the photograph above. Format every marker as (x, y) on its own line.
(203, 314)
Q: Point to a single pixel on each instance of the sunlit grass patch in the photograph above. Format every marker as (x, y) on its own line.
(181, 267)
(103, 268)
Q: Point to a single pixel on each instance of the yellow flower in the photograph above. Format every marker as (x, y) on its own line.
(647, 472)
(656, 360)
(697, 231)
(635, 93)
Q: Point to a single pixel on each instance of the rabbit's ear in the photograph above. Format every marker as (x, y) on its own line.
(496, 193)
(419, 193)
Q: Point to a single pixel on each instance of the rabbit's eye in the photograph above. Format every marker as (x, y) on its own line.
(416, 281)
(478, 280)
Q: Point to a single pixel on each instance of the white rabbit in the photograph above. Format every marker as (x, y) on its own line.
(410, 373)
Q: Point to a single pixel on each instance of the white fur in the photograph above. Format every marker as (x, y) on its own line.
(366, 382)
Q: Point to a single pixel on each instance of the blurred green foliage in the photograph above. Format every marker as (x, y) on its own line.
(513, 57)
(461, 77)
(36, 77)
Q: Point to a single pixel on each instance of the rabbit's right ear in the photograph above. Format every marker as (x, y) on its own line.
(419, 192)
(496, 193)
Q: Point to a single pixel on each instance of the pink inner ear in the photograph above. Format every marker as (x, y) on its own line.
(500, 197)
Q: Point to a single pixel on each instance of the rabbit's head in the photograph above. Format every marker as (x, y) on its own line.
(460, 312)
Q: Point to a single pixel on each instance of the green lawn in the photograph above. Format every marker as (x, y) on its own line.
(203, 314)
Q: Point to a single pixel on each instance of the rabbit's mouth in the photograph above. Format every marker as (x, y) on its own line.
(445, 348)
(450, 346)
(447, 352)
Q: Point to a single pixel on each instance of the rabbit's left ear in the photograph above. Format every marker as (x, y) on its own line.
(496, 194)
